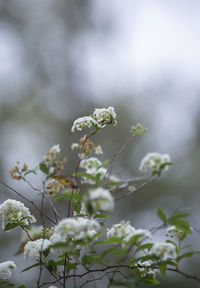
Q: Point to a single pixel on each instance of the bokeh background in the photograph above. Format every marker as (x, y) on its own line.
(61, 59)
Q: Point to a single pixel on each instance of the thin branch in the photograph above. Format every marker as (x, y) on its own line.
(138, 188)
(29, 201)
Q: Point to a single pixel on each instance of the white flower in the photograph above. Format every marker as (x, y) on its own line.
(75, 145)
(33, 248)
(94, 172)
(52, 286)
(98, 150)
(145, 269)
(55, 149)
(125, 231)
(5, 269)
(153, 161)
(99, 200)
(163, 250)
(105, 116)
(121, 230)
(83, 122)
(12, 210)
(90, 163)
(70, 229)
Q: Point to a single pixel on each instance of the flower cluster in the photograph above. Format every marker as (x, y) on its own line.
(5, 269)
(125, 231)
(99, 200)
(14, 212)
(155, 162)
(173, 231)
(164, 250)
(16, 172)
(105, 116)
(51, 161)
(86, 147)
(145, 269)
(70, 229)
(99, 119)
(138, 130)
(34, 248)
(84, 122)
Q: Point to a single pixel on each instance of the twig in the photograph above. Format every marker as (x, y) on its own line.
(29, 201)
(138, 188)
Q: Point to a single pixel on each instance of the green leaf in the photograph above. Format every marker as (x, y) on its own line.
(185, 255)
(112, 240)
(162, 268)
(30, 267)
(21, 286)
(30, 171)
(119, 283)
(6, 284)
(100, 215)
(46, 252)
(173, 243)
(149, 281)
(89, 259)
(71, 266)
(52, 265)
(145, 246)
(161, 215)
(180, 224)
(44, 168)
(181, 213)
(11, 225)
(108, 251)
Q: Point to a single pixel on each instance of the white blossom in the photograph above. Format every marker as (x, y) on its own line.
(83, 122)
(145, 269)
(12, 210)
(163, 250)
(90, 163)
(55, 149)
(52, 286)
(74, 146)
(100, 200)
(122, 230)
(105, 116)
(5, 269)
(73, 229)
(125, 231)
(153, 161)
(98, 150)
(33, 248)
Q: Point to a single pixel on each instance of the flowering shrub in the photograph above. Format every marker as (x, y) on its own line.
(78, 245)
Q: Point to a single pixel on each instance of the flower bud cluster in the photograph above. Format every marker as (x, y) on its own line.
(163, 250)
(34, 248)
(99, 119)
(16, 172)
(99, 199)
(70, 229)
(125, 231)
(145, 269)
(12, 210)
(138, 130)
(5, 269)
(154, 162)
(86, 147)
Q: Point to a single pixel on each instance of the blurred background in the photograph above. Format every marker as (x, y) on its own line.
(61, 59)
